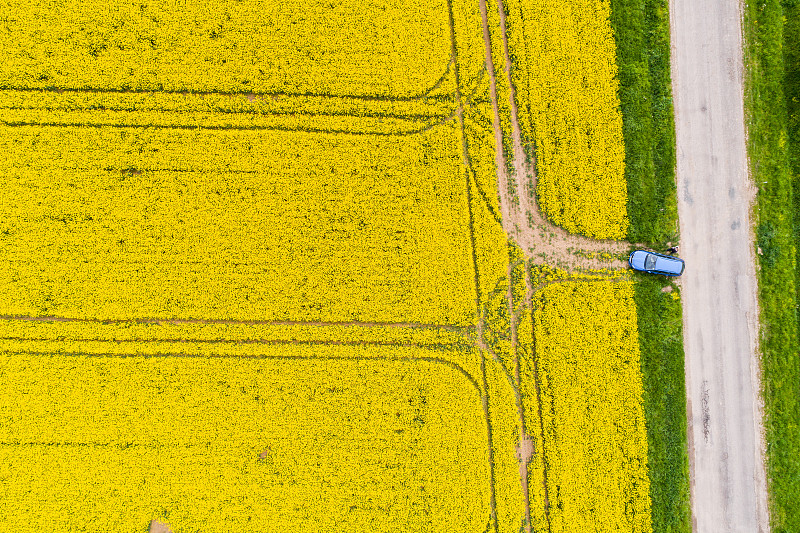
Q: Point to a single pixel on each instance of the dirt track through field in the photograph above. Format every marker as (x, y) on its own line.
(720, 308)
(522, 220)
(543, 242)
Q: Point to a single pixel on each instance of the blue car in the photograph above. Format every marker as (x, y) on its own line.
(654, 263)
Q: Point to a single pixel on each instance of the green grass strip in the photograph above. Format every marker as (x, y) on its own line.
(661, 342)
(772, 90)
(641, 32)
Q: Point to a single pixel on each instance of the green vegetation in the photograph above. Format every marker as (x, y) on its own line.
(772, 106)
(641, 31)
(661, 342)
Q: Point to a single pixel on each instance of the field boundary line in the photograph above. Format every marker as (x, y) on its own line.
(198, 127)
(314, 342)
(459, 112)
(430, 359)
(425, 95)
(525, 445)
(529, 292)
(369, 114)
(495, 215)
(471, 228)
(488, 418)
(484, 344)
(180, 321)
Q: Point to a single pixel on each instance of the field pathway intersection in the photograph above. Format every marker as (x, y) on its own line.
(521, 217)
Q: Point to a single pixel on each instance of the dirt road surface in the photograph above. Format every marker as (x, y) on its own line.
(719, 286)
(521, 218)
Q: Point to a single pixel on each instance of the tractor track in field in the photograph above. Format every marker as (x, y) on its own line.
(251, 95)
(529, 291)
(526, 447)
(185, 321)
(521, 217)
(544, 243)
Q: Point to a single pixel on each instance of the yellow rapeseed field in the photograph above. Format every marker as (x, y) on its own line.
(593, 464)
(566, 87)
(352, 226)
(253, 277)
(316, 438)
(317, 46)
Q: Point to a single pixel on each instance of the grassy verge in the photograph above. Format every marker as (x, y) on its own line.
(661, 342)
(641, 32)
(772, 90)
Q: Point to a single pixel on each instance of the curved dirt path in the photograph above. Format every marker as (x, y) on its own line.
(542, 241)
(522, 220)
(720, 307)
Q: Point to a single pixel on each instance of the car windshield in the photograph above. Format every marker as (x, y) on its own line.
(650, 262)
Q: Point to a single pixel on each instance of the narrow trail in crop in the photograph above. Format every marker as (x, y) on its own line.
(521, 218)
(525, 448)
(543, 242)
(236, 322)
(529, 291)
(159, 527)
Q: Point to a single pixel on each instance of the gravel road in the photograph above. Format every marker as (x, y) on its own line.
(720, 310)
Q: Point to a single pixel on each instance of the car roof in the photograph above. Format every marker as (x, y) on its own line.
(637, 258)
(673, 265)
(664, 263)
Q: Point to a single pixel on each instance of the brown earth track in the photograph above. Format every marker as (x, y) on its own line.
(521, 217)
(542, 241)
(529, 290)
(159, 527)
(525, 447)
(180, 321)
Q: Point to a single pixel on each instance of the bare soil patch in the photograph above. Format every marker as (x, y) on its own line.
(159, 527)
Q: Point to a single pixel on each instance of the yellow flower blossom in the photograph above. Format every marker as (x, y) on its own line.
(227, 444)
(250, 254)
(314, 47)
(163, 223)
(565, 78)
(594, 441)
